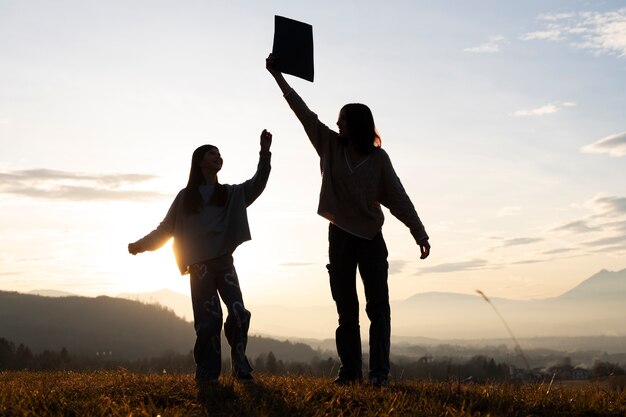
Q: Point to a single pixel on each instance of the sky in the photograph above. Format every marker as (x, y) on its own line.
(505, 121)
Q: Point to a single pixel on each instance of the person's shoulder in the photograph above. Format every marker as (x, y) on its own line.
(381, 154)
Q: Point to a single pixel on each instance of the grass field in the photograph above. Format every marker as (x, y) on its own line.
(122, 393)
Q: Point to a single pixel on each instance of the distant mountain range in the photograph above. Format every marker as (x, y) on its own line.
(596, 307)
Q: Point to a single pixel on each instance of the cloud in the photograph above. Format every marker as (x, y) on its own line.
(555, 16)
(558, 251)
(492, 46)
(603, 33)
(63, 185)
(456, 266)
(521, 241)
(612, 241)
(614, 145)
(604, 228)
(610, 206)
(577, 226)
(397, 266)
(612, 209)
(549, 108)
(529, 261)
(619, 226)
(548, 35)
(50, 174)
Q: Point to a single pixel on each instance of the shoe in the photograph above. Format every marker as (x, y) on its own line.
(206, 386)
(343, 381)
(207, 382)
(378, 381)
(244, 378)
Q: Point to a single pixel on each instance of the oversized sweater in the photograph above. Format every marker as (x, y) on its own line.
(350, 196)
(214, 231)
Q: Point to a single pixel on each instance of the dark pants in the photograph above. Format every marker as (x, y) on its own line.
(346, 252)
(208, 280)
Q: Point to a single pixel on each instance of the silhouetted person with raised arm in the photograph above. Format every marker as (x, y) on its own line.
(208, 220)
(357, 177)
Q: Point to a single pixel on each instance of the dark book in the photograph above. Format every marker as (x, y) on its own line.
(293, 47)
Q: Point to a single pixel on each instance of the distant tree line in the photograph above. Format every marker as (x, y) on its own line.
(477, 369)
(21, 357)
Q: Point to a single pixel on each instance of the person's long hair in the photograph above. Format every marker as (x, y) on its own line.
(362, 130)
(192, 200)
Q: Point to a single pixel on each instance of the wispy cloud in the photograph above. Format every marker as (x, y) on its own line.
(612, 241)
(547, 35)
(456, 266)
(397, 266)
(555, 16)
(619, 226)
(577, 226)
(530, 261)
(521, 241)
(604, 228)
(549, 108)
(603, 33)
(51, 175)
(492, 46)
(64, 185)
(614, 145)
(609, 206)
(558, 251)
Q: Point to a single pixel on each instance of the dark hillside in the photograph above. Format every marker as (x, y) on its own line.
(127, 329)
(85, 325)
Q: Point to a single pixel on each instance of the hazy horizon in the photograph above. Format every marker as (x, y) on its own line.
(591, 309)
(504, 121)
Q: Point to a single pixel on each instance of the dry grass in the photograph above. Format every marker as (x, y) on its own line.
(124, 394)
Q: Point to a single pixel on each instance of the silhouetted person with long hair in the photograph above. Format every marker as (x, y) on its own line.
(357, 177)
(208, 220)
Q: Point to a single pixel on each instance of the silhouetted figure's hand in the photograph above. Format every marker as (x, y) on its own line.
(278, 76)
(424, 248)
(135, 248)
(266, 141)
(269, 64)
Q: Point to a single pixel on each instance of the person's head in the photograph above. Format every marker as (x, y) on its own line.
(356, 124)
(205, 160)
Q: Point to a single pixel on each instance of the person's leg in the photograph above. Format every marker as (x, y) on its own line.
(373, 268)
(342, 272)
(238, 320)
(207, 314)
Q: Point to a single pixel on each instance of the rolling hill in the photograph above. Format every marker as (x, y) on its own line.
(129, 329)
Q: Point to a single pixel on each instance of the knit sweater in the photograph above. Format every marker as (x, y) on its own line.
(350, 196)
(214, 231)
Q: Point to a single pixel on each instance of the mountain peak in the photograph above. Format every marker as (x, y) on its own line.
(603, 284)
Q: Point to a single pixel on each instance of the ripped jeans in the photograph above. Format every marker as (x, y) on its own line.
(209, 281)
(346, 252)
